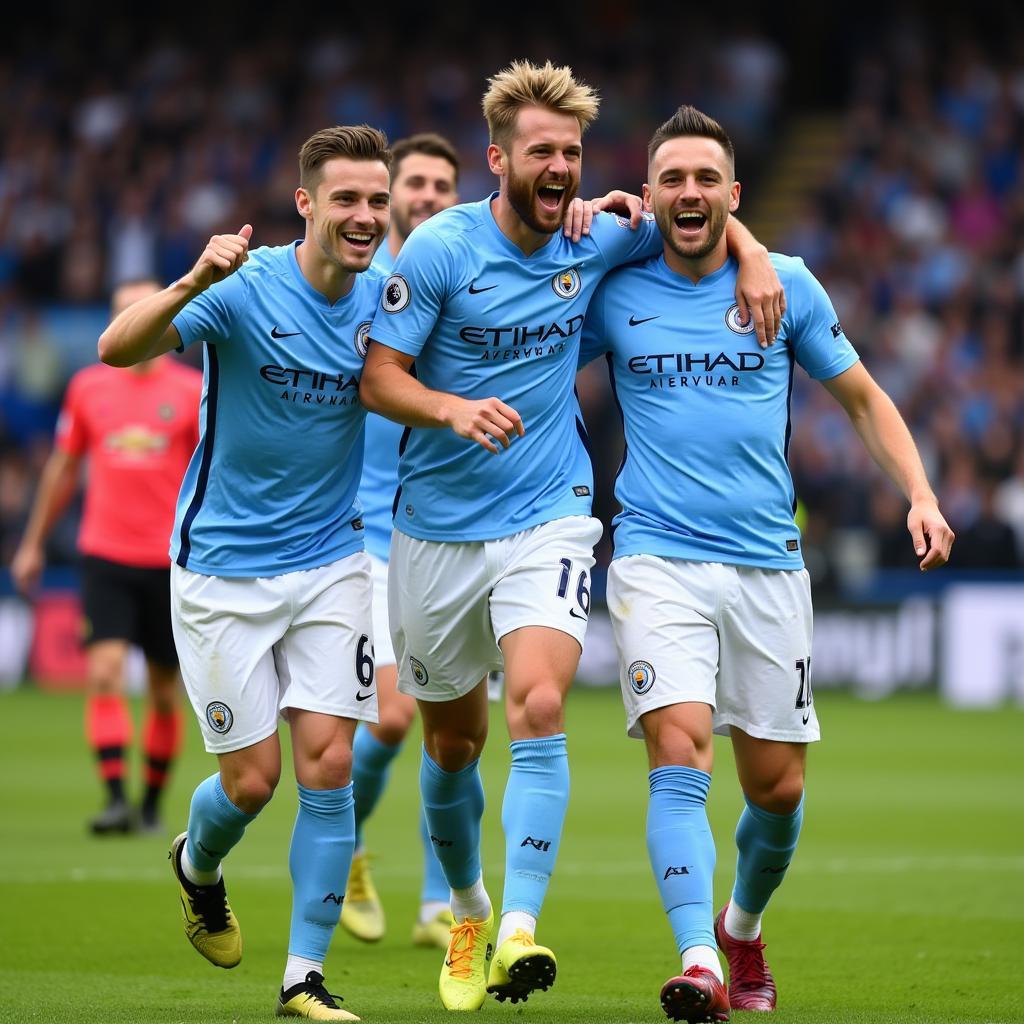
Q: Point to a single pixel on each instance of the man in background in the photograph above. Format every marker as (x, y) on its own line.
(137, 429)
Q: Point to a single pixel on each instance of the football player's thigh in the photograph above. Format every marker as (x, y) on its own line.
(225, 630)
(765, 684)
(325, 659)
(665, 634)
(440, 624)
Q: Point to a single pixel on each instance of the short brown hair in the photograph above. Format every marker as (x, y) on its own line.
(427, 143)
(357, 142)
(689, 120)
(523, 84)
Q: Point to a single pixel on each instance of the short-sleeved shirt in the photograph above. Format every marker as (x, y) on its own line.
(272, 486)
(484, 320)
(379, 482)
(706, 411)
(138, 432)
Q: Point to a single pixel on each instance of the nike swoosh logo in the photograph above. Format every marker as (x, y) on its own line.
(575, 614)
(806, 717)
(275, 333)
(633, 322)
(363, 696)
(477, 291)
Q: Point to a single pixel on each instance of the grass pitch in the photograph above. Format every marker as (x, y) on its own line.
(905, 900)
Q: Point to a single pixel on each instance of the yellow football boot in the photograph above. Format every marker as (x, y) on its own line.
(520, 967)
(311, 1000)
(209, 923)
(434, 932)
(362, 914)
(463, 982)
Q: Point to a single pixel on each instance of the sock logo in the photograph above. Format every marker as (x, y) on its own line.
(670, 871)
(331, 898)
(220, 716)
(775, 871)
(538, 844)
(441, 842)
(212, 854)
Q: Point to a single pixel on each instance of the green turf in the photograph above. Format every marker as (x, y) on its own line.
(904, 902)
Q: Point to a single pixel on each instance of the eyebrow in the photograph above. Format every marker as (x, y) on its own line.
(699, 170)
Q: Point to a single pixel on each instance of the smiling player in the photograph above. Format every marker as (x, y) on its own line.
(708, 596)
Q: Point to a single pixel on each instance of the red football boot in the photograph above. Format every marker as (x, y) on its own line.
(751, 985)
(696, 995)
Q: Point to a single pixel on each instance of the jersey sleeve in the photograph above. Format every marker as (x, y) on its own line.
(618, 243)
(818, 341)
(211, 314)
(413, 296)
(72, 430)
(592, 342)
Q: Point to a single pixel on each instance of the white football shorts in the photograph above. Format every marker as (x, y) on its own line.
(735, 637)
(383, 647)
(250, 648)
(451, 602)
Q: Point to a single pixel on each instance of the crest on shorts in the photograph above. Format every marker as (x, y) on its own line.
(732, 321)
(567, 283)
(419, 671)
(641, 676)
(219, 716)
(362, 337)
(396, 294)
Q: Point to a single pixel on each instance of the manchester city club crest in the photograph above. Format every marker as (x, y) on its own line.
(219, 716)
(396, 294)
(419, 671)
(732, 321)
(362, 338)
(641, 676)
(566, 283)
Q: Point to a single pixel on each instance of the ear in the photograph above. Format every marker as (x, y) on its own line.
(734, 197)
(304, 203)
(648, 198)
(496, 159)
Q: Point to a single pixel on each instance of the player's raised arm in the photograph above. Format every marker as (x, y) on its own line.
(885, 435)
(758, 287)
(144, 329)
(387, 387)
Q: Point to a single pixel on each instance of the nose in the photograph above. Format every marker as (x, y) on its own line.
(690, 190)
(558, 165)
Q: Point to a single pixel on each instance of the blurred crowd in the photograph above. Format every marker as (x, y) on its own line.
(121, 151)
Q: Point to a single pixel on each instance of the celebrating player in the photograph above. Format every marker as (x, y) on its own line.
(424, 178)
(270, 583)
(137, 431)
(491, 556)
(707, 592)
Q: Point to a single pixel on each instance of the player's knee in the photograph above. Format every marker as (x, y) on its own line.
(453, 751)
(543, 710)
(105, 679)
(334, 766)
(250, 791)
(394, 724)
(780, 796)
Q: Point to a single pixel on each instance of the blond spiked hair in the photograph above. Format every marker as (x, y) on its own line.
(523, 84)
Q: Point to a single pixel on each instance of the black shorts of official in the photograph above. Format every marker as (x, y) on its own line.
(121, 602)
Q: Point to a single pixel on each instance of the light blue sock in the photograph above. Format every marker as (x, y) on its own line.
(215, 824)
(371, 764)
(682, 852)
(435, 886)
(453, 803)
(319, 861)
(536, 798)
(766, 843)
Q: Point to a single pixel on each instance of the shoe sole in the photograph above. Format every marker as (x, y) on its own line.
(530, 974)
(688, 1003)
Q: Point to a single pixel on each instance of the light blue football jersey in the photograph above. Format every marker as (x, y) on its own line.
(379, 483)
(484, 320)
(706, 411)
(271, 487)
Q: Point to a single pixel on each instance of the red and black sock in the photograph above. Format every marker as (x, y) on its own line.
(161, 742)
(108, 728)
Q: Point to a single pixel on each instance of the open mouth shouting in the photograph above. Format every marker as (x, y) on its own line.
(550, 195)
(690, 222)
